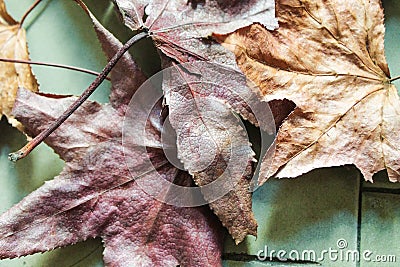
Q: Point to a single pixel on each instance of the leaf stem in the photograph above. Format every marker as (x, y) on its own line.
(23, 152)
(394, 79)
(32, 7)
(61, 66)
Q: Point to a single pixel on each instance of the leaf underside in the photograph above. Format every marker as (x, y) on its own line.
(328, 58)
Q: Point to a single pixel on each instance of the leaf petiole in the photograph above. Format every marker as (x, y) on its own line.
(50, 65)
(32, 7)
(394, 79)
(23, 152)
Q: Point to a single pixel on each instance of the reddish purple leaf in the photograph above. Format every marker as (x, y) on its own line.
(96, 194)
(181, 30)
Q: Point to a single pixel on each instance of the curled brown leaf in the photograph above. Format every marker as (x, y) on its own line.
(328, 58)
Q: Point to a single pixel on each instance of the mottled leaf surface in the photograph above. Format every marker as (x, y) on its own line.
(181, 30)
(96, 194)
(13, 46)
(328, 58)
(212, 144)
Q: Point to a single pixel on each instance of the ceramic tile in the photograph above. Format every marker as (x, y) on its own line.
(311, 212)
(380, 230)
(381, 181)
(82, 254)
(230, 263)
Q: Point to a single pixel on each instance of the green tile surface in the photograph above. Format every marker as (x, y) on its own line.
(380, 229)
(309, 213)
(381, 181)
(84, 254)
(229, 263)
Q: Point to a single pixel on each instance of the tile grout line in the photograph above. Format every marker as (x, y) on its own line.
(382, 190)
(359, 215)
(367, 189)
(243, 257)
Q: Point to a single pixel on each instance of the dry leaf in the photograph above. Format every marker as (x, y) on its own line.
(181, 30)
(233, 209)
(97, 195)
(210, 141)
(12, 76)
(328, 58)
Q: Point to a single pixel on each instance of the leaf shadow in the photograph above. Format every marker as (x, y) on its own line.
(143, 52)
(303, 211)
(312, 201)
(82, 254)
(36, 13)
(392, 25)
(378, 197)
(391, 8)
(11, 140)
(30, 172)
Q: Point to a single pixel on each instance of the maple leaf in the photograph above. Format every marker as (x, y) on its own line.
(97, 195)
(328, 58)
(13, 46)
(212, 145)
(181, 31)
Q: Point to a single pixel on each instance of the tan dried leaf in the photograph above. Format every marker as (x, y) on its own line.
(12, 76)
(328, 58)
